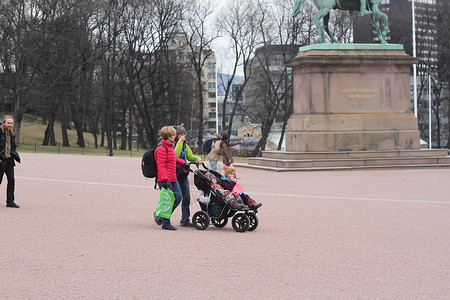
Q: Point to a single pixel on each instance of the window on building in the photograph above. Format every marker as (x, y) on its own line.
(211, 95)
(211, 84)
(211, 75)
(212, 104)
(212, 115)
(211, 65)
(211, 125)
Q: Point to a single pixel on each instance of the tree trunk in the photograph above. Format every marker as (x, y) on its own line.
(265, 129)
(283, 130)
(49, 135)
(448, 118)
(95, 140)
(123, 131)
(65, 137)
(80, 136)
(78, 121)
(438, 123)
(130, 131)
(102, 138)
(18, 116)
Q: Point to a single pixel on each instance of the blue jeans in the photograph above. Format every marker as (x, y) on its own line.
(213, 164)
(186, 192)
(175, 188)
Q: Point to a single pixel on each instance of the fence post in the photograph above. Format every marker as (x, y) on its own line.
(35, 147)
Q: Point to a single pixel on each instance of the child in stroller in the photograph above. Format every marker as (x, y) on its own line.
(233, 199)
(229, 183)
(218, 204)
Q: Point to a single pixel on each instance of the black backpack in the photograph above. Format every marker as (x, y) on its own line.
(148, 163)
(206, 146)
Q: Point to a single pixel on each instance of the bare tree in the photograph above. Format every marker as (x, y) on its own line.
(18, 21)
(199, 40)
(157, 72)
(340, 26)
(65, 64)
(240, 22)
(443, 47)
(269, 95)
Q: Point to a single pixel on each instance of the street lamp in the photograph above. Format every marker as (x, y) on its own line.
(414, 55)
(109, 131)
(429, 111)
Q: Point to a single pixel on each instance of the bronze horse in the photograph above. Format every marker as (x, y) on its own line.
(352, 6)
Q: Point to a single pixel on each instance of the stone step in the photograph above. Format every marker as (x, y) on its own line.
(310, 163)
(354, 154)
(303, 161)
(352, 168)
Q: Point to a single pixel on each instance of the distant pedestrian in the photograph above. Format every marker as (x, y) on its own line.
(226, 149)
(8, 155)
(183, 151)
(214, 154)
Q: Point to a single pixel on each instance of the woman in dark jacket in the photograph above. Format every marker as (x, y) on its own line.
(226, 149)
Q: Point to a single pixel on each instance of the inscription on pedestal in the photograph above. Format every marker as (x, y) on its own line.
(360, 93)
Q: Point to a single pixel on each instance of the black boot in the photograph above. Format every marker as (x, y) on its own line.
(12, 204)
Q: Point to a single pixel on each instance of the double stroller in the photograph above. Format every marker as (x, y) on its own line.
(214, 209)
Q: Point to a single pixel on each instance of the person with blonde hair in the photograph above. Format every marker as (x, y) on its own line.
(8, 154)
(214, 154)
(166, 163)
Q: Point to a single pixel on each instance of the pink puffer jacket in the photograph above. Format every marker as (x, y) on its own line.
(166, 162)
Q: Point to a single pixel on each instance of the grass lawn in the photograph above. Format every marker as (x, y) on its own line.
(32, 135)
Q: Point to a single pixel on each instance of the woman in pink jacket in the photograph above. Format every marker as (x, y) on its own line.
(166, 163)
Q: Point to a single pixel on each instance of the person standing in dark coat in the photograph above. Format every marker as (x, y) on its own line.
(226, 149)
(8, 154)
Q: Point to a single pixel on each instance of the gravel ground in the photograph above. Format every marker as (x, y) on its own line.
(85, 231)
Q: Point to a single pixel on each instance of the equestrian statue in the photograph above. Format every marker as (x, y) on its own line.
(354, 7)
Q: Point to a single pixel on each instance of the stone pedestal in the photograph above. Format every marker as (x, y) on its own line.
(352, 98)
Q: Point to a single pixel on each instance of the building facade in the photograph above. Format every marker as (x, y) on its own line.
(239, 114)
(183, 52)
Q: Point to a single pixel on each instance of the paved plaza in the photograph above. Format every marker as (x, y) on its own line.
(85, 231)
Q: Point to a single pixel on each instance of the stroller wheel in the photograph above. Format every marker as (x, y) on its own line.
(253, 221)
(220, 223)
(240, 222)
(200, 220)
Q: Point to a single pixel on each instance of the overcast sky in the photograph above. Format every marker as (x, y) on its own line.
(221, 46)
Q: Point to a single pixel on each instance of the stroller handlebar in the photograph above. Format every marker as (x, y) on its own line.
(196, 163)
